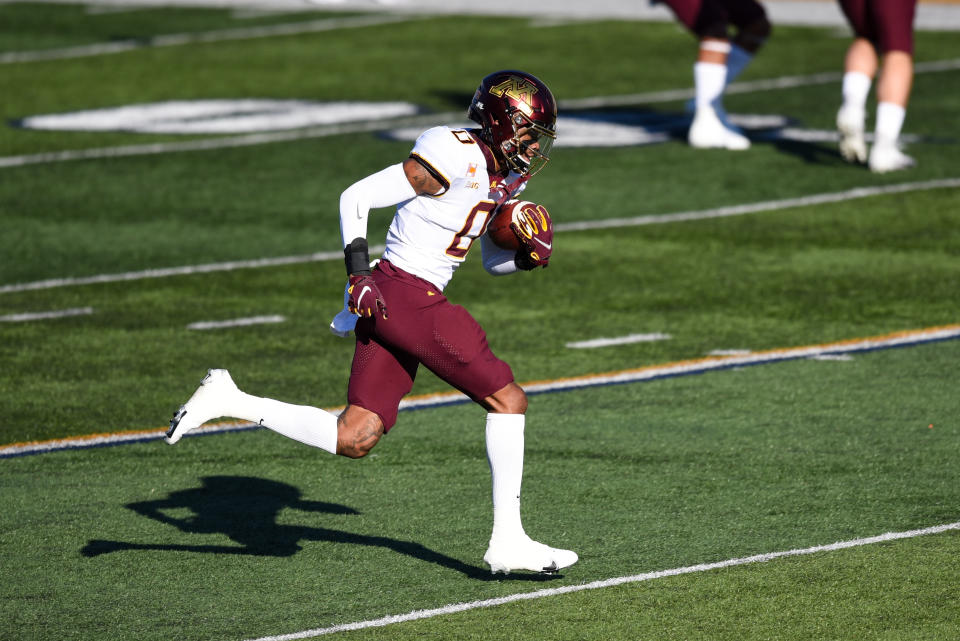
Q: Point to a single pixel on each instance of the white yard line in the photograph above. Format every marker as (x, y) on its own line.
(453, 608)
(702, 214)
(237, 322)
(669, 370)
(178, 39)
(34, 316)
(619, 340)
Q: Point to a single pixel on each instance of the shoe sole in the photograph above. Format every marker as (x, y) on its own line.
(736, 145)
(498, 567)
(174, 424)
(720, 146)
(550, 569)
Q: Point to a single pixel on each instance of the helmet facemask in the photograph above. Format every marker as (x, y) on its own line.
(528, 150)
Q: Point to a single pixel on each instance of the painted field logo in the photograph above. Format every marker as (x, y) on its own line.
(218, 116)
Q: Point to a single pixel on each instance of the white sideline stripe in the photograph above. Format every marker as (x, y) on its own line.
(177, 39)
(237, 322)
(32, 316)
(682, 368)
(207, 144)
(719, 212)
(454, 608)
(620, 340)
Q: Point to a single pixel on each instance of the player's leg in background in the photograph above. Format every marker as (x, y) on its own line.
(709, 129)
(753, 29)
(859, 69)
(752, 33)
(894, 27)
(860, 66)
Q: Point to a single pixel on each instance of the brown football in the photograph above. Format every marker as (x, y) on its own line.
(499, 226)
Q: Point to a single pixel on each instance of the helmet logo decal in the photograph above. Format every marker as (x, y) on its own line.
(520, 89)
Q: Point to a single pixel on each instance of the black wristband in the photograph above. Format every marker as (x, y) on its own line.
(356, 256)
(522, 261)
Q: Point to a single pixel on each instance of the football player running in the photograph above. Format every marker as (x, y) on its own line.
(883, 27)
(445, 191)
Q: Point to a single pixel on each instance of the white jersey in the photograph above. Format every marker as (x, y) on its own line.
(431, 235)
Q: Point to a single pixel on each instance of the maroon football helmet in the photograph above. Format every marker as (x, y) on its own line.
(510, 105)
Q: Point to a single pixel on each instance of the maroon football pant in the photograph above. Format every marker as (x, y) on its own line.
(888, 24)
(422, 327)
(711, 17)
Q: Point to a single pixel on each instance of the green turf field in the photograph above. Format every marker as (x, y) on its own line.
(247, 535)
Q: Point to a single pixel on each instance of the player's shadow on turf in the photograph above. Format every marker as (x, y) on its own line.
(640, 126)
(810, 152)
(246, 509)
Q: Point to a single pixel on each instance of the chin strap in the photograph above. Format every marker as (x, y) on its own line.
(503, 192)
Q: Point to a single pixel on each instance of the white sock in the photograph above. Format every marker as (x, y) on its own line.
(505, 455)
(709, 80)
(890, 118)
(309, 425)
(856, 87)
(737, 61)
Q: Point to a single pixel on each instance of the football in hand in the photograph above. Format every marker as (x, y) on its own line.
(512, 211)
